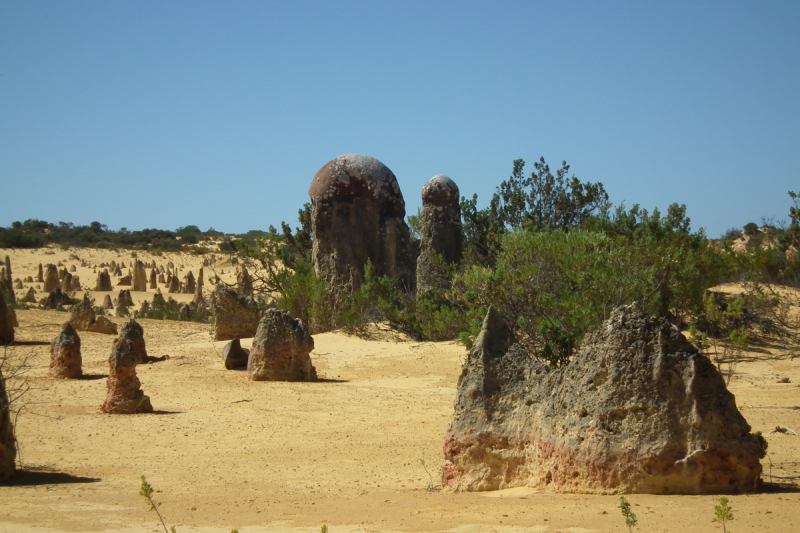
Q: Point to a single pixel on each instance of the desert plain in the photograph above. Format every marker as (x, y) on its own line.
(225, 453)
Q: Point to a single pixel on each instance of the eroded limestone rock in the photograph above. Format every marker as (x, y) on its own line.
(65, 354)
(51, 280)
(8, 444)
(124, 388)
(234, 356)
(139, 277)
(103, 282)
(637, 410)
(359, 216)
(236, 316)
(440, 238)
(281, 349)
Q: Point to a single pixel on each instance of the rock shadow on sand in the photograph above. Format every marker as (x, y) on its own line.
(36, 477)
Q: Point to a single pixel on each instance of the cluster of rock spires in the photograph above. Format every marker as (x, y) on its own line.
(83, 318)
(637, 410)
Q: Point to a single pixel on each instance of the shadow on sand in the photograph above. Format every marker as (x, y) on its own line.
(92, 377)
(35, 477)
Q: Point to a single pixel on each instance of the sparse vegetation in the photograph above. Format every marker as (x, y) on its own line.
(723, 513)
(630, 516)
(146, 491)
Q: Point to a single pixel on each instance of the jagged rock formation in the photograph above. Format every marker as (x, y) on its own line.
(158, 301)
(236, 316)
(65, 354)
(61, 273)
(76, 282)
(124, 388)
(18, 284)
(153, 283)
(198, 295)
(244, 283)
(125, 281)
(139, 277)
(200, 277)
(173, 284)
(118, 271)
(73, 268)
(133, 333)
(66, 282)
(281, 349)
(8, 444)
(29, 279)
(6, 334)
(83, 318)
(124, 298)
(107, 302)
(440, 239)
(51, 280)
(637, 410)
(188, 286)
(40, 275)
(103, 282)
(359, 216)
(161, 279)
(30, 296)
(234, 356)
(53, 300)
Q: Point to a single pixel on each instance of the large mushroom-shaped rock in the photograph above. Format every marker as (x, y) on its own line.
(281, 349)
(6, 325)
(359, 217)
(51, 280)
(235, 315)
(440, 236)
(637, 410)
(124, 388)
(234, 356)
(8, 444)
(139, 277)
(103, 282)
(65, 354)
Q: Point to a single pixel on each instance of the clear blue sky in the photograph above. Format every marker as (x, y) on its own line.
(147, 114)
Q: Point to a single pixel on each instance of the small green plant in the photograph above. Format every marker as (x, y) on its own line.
(431, 487)
(323, 529)
(147, 493)
(630, 517)
(723, 513)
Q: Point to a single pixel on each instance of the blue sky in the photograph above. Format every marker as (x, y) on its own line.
(164, 114)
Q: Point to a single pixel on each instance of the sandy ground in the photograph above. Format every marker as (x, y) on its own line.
(226, 453)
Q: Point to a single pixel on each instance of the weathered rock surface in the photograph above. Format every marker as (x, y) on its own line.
(73, 268)
(18, 284)
(40, 275)
(107, 302)
(153, 283)
(236, 316)
(125, 281)
(173, 284)
(359, 216)
(53, 299)
(103, 282)
(51, 280)
(65, 354)
(637, 410)
(8, 444)
(440, 237)
(234, 356)
(188, 286)
(30, 296)
(244, 283)
(83, 318)
(124, 388)
(134, 333)
(6, 329)
(13, 315)
(139, 277)
(76, 283)
(125, 298)
(185, 313)
(66, 283)
(281, 349)
(198, 295)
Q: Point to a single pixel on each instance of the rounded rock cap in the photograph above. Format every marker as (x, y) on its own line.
(353, 175)
(440, 190)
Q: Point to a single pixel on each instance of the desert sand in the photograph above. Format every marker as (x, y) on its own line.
(225, 453)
